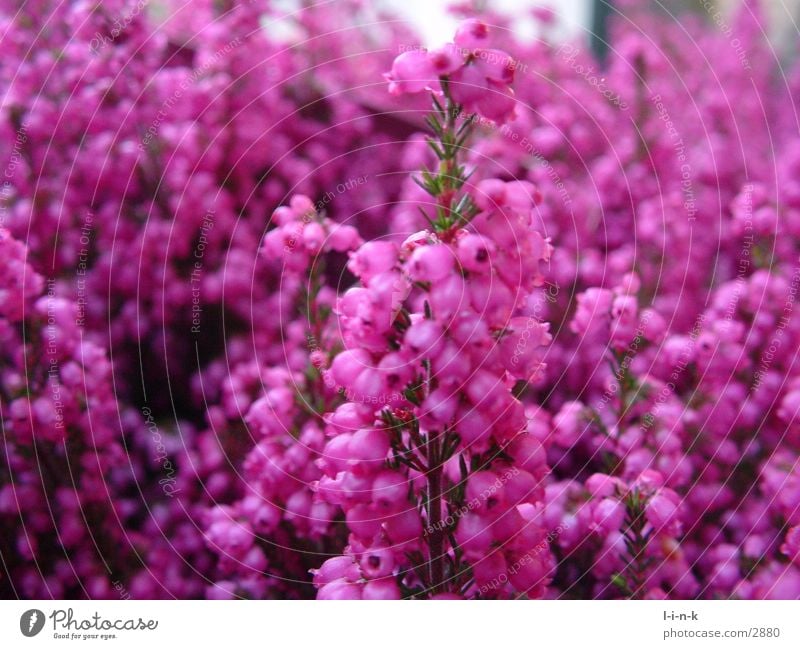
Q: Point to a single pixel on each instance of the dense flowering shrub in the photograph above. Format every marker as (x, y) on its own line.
(293, 306)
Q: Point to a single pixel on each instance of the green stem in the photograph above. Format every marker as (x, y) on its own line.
(445, 181)
(447, 166)
(636, 542)
(435, 521)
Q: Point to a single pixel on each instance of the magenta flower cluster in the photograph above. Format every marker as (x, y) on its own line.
(292, 306)
(479, 77)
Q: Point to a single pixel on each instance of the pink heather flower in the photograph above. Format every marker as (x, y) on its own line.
(472, 34)
(448, 298)
(593, 312)
(264, 516)
(451, 367)
(528, 453)
(474, 429)
(524, 347)
(377, 562)
(569, 423)
(363, 523)
(385, 588)
(342, 238)
(313, 236)
(475, 253)
(624, 320)
(491, 571)
(369, 447)
(372, 258)
(424, 338)
(431, 263)
(790, 406)
(474, 534)
(522, 487)
(349, 417)
(349, 365)
(446, 59)
(662, 510)
(485, 490)
(608, 515)
(413, 72)
(403, 527)
(532, 574)
(791, 545)
(390, 491)
(477, 93)
(478, 78)
(19, 284)
(340, 589)
(468, 86)
(650, 480)
(233, 539)
(439, 408)
(602, 485)
(497, 103)
(653, 325)
(491, 194)
(496, 66)
(396, 371)
(369, 384)
(221, 590)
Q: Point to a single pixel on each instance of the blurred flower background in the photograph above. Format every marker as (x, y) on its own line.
(358, 300)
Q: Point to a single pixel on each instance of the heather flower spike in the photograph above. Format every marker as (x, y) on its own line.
(422, 476)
